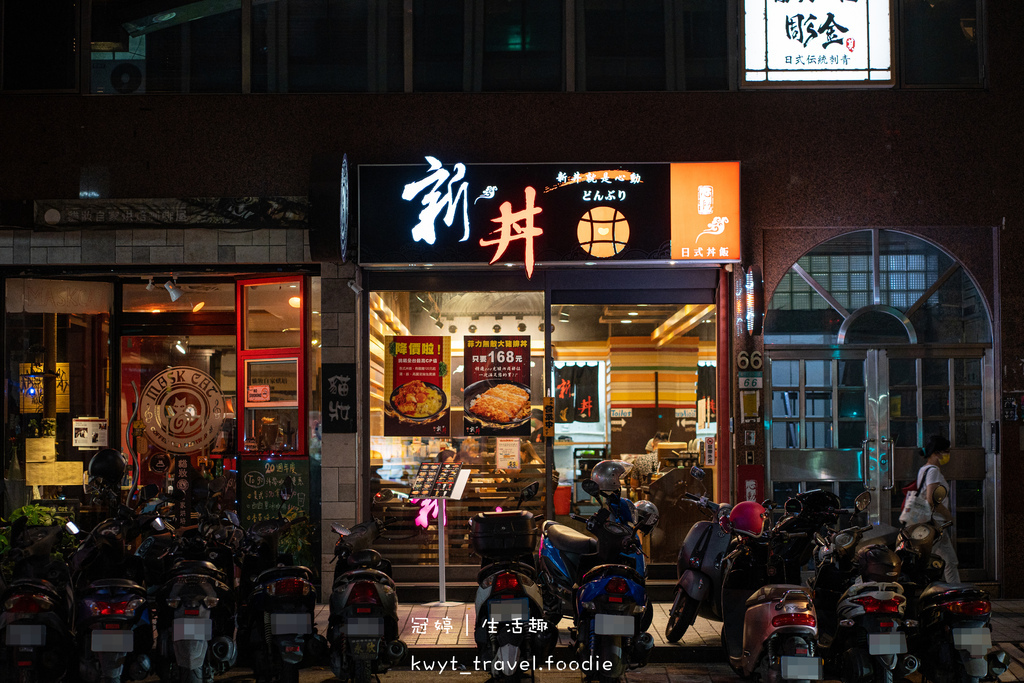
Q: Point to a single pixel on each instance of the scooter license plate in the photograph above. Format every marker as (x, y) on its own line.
(290, 623)
(190, 628)
(364, 626)
(801, 668)
(501, 611)
(113, 641)
(26, 635)
(976, 641)
(887, 643)
(614, 625)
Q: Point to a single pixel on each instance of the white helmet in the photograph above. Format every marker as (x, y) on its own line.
(607, 473)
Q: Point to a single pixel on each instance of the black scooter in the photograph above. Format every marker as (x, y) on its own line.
(276, 634)
(35, 625)
(363, 625)
(510, 630)
(954, 634)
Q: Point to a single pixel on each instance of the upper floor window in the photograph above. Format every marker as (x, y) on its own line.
(300, 46)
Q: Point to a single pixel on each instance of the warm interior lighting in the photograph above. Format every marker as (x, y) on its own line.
(295, 302)
(181, 346)
(198, 307)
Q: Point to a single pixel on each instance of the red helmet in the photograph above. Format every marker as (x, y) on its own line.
(746, 516)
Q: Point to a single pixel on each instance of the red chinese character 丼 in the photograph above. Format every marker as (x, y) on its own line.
(511, 229)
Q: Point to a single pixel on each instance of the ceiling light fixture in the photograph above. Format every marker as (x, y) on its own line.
(198, 307)
(181, 346)
(173, 289)
(295, 302)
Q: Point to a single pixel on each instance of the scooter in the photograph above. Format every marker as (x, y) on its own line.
(275, 618)
(605, 577)
(510, 630)
(363, 624)
(866, 639)
(35, 624)
(196, 601)
(770, 628)
(113, 619)
(700, 567)
(954, 633)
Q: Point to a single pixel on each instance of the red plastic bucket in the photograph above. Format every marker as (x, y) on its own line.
(563, 498)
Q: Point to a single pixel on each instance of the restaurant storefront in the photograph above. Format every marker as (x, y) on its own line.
(606, 317)
(206, 378)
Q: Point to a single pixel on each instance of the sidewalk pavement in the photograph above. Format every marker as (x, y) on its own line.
(435, 631)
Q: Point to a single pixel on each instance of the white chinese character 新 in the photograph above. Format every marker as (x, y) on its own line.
(433, 201)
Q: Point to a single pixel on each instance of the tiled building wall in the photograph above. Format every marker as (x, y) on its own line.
(199, 248)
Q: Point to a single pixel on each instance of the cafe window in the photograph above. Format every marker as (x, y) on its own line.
(58, 402)
(271, 365)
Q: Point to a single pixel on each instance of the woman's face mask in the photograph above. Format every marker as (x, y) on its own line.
(943, 458)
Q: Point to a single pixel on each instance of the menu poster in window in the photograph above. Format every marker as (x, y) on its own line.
(259, 486)
(339, 398)
(417, 386)
(497, 394)
(89, 432)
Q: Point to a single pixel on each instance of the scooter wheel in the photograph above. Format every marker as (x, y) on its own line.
(362, 671)
(681, 616)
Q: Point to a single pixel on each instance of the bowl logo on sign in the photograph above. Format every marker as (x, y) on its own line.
(603, 231)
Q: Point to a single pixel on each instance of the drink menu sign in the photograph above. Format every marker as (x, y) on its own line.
(417, 386)
(497, 394)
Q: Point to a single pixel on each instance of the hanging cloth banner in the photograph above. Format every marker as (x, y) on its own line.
(587, 399)
(565, 394)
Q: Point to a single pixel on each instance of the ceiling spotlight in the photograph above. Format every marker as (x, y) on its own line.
(181, 346)
(440, 325)
(472, 329)
(198, 307)
(497, 329)
(173, 289)
(150, 287)
(295, 302)
(522, 327)
(452, 329)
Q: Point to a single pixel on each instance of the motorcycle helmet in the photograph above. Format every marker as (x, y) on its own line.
(108, 466)
(646, 514)
(747, 516)
(607, 473)
(878, 563)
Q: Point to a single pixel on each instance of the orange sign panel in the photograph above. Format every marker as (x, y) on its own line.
(706, 211)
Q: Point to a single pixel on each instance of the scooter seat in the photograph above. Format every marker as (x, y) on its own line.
(603, 570)
(775, 593)
(195, 567)
(363, 575)
(365, 559)
(939, 592)
(117, 584)
(570, 540)
(286, 573)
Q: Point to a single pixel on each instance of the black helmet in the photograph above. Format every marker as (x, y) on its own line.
(108, 466)
(878, 563)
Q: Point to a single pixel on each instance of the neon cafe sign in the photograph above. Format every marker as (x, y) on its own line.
(536, 214)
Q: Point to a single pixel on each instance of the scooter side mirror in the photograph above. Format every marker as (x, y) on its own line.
(383, 496)
(72, 528)
(697, 473)
(793, 506)
(529, 492)
(819, 539)
(939, 494)
(862, 501)
(340, 529)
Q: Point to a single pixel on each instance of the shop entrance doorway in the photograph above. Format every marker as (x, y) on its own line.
(876, 341)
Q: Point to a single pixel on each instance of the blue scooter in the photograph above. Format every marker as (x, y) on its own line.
(605, 575)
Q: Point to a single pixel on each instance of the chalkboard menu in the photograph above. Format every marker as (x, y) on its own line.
(260, 481)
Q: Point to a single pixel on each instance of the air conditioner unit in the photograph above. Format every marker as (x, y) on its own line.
(118, 76)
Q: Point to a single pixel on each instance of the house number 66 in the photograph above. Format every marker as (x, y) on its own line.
(749, 361)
